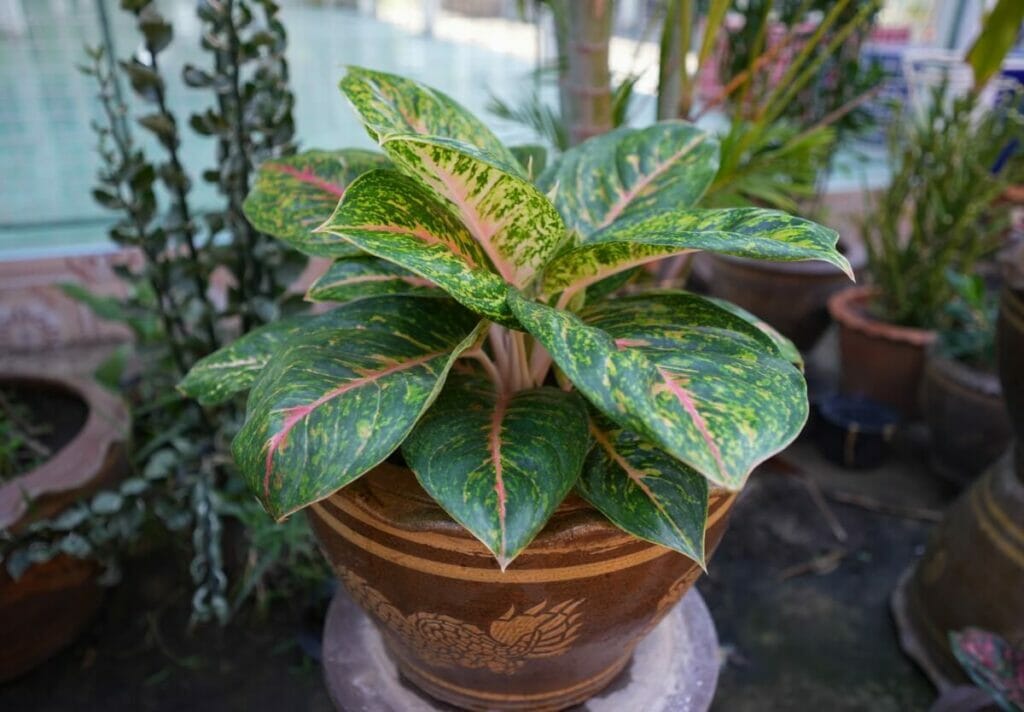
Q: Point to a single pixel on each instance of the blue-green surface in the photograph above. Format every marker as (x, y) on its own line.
(47, 148)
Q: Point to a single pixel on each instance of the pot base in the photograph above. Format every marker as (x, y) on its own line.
(674, 668)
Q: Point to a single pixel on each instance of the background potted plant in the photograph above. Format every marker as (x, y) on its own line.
(937, 214)
(961, 386)
(463, 285)
(61, 440)
(787, 128)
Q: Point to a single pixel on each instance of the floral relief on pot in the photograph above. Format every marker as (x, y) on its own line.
(542, 631)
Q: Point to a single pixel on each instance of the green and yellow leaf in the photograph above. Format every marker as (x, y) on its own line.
(353, 278)
(626, 172)
(295, 194)
(644, 490)
(743, 232)
(234, 368)
(499, 463)
(517, 227)
(392, 216)
(330, 406)
(391, 106)
(701, 383)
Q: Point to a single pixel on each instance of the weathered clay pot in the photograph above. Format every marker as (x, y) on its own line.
(50, 604)
(964, 410)
(791, 296)
(552, 630)
(971, 574)
(881, 361)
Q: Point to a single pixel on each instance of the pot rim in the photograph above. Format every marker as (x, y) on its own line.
(81, 460)
(942, 367)
(846, 308)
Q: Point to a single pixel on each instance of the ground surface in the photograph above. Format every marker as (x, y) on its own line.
(801, 604)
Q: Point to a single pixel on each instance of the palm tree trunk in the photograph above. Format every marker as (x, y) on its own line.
(584, 32)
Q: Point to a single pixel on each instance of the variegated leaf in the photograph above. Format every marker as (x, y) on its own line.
(234, 368)
(787, 349)
(663, 167)
(744, 232)
(328, 407)
(391, 106)
(518, 227)
(499, 463)
(295, 194)
(644, 490)
(698, 381)
(359, 277)
(393, 217)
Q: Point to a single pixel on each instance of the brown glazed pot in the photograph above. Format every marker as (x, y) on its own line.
(791, 296)
(882, 361)
(51, 603)
(964, 410)
(552, 630)
(972, 572)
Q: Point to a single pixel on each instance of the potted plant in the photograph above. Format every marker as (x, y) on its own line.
(61, 440)
(961, 386)
(937, 214)
(436, 424)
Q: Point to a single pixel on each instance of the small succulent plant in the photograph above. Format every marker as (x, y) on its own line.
(480, 331)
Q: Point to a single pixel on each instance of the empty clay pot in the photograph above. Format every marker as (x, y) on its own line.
(880, 361)
(51, 603)
(552, 630)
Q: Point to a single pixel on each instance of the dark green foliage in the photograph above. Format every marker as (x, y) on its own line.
(171, 305)
(939, 212)
(20, 448)
(970, 332)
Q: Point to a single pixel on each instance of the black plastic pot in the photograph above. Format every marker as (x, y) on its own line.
(854, 432)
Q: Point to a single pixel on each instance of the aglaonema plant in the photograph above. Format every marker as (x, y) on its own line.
(473, 338)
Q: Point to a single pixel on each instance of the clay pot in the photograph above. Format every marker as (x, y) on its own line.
(964, 410)
(1010, 355)
(552, 630)
(971, 575)
(881, 361)
(791, 296)
(51, 603)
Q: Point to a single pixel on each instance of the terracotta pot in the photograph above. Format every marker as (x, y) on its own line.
(546, 634)
(47, 607)
(791, 296)
(964, 410)
(881, 361)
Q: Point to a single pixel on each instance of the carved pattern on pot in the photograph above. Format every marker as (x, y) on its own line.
(680, 586)
(542, 631)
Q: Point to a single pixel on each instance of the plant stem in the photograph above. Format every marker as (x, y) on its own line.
(492, 371)
(241, 184)
(184, 214)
